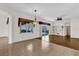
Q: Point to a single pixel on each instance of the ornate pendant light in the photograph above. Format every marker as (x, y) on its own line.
(35, 17)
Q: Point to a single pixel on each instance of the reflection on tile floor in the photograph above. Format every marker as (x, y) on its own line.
(36, 47)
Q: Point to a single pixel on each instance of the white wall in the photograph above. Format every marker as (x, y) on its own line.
(75, 28)
(3, 25)
(5, 29)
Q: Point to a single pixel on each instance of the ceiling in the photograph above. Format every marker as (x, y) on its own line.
(47, 11)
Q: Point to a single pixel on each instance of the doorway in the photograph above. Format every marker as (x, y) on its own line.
(61, 28)
(45, 32)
